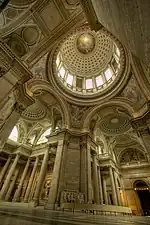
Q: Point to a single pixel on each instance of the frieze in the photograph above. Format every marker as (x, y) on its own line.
(72, 197)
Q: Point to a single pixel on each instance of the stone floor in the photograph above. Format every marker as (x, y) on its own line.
(25, 214)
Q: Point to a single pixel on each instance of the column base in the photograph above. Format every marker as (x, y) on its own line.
(36, 202)
(50, 206)
(15, 200)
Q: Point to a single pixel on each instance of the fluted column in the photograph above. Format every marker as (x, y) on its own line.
(95, 180)
(124, 202)
(18, 191)
(2, 174)
(31, 180)
(113, 186)
(41, 177)
(100, 185)
(105, 190)
(89, 172)
(7, 197)
(61, 148)
(8, 178)
(83, 170)
(117, 189)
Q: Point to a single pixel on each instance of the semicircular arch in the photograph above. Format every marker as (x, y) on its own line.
(114, 102)
(36, 87)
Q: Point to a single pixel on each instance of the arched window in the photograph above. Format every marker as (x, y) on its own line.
(14, 134)
(43, 138)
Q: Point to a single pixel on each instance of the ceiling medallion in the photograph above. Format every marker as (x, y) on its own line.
(85, 43)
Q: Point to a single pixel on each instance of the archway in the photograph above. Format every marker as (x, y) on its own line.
(143, 193)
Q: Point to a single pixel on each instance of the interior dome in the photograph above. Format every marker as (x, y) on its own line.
(88, 61)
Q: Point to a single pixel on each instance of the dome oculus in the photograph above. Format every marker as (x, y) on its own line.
(85, 43)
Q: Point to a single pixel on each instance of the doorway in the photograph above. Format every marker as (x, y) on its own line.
(143, 192)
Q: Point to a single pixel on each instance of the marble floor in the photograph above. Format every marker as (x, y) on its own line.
(25, 214)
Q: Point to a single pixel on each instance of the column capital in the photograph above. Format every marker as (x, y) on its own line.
(83, 141)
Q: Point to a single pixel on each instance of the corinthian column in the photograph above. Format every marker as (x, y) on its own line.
(117, 188)
(83, 170)
(113, 186)
(31, 180)
(8, 178)
(7, 197)
(61, 148)
(5, 169)
(18, 191)
(41, 177)
(105, 190)
(89, 172)
(100, 186)
(95, 179)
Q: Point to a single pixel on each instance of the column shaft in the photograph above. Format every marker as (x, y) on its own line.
(41, 177)
(89, 172)
(117, 189)
(83, 169)
(7, 197)
(8, 178)
(105, 191)
(5, 169)
(125, 202)
(8, 126)
(18, 191)
(114, 195)
(61, 148)
(31, 180)
(95, 180)
(100, 185)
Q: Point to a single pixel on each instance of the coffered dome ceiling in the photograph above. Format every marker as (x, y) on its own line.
(86, 63)
(115, 124)
(114, 120)
(36, 111)
(86, 53)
